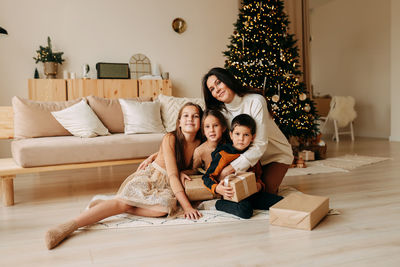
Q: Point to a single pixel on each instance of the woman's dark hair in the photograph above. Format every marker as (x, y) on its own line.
(180, 138)
(229, 80)
(221, 118)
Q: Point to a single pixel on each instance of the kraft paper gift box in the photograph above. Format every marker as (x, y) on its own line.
(300, 211)
(196, 190)
(243, 183)
(307, 155)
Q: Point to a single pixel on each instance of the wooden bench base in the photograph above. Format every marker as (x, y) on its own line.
(9, 169)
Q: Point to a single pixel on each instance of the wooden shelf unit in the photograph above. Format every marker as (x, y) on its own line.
(61, 90)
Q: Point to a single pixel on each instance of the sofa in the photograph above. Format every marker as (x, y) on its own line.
(83, 133)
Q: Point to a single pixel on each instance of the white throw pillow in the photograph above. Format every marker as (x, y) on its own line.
(141, 117)
(170, 107)
(80, 120)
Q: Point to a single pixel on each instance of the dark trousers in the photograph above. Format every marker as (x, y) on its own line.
(244, 208)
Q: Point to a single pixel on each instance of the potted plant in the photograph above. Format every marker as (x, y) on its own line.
(49, 58)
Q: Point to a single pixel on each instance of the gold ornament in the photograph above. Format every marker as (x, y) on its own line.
(302, 96)
(275, 98)
(307, 108)
(287, 75)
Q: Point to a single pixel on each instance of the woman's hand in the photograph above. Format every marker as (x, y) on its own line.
(147, 161)
(183, 177)
(225, 191)
(226, 171)
(192, 214)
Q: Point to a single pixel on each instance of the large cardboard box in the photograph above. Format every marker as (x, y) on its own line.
(243, 183)
(196, 190)
(299, 211)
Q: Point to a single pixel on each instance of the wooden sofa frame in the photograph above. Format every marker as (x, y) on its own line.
(9, 169)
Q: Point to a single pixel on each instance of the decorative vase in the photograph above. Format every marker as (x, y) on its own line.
(50, 69)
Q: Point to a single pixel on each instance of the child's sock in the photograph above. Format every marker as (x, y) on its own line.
(242, 209)
(57, 234)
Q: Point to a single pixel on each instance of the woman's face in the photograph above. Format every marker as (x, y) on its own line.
(189, 121)
(219, 90)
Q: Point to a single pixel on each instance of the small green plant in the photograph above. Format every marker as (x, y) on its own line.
(46, 54)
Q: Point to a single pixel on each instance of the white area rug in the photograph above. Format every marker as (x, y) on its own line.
(338, 164)
(207, 208)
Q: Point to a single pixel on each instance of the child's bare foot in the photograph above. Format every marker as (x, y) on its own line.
(57, 234)
(95, 202)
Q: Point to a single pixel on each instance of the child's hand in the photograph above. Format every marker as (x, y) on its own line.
(225, 191)
(147, 161)
(192, 214)
(226, 171)
(183, 177)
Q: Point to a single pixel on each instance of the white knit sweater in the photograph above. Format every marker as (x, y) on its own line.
(270, 145)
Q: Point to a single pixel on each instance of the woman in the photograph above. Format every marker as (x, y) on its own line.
(223, 92)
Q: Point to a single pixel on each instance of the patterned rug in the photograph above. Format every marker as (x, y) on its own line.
(207, 208)
(338, 164)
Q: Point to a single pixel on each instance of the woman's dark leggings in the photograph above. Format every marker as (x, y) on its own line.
(244, 208)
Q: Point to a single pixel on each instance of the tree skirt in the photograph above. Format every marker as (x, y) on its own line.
(338, 164)
(207, 208)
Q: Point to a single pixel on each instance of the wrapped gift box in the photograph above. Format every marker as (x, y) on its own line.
(307, 155)
(196, 190)
(319, 150)
(243, 183)
(299, 211)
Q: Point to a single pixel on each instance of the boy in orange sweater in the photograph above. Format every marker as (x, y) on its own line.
(242, 133)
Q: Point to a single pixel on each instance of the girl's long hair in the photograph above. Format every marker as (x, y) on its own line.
(221, 118)
(180, 141)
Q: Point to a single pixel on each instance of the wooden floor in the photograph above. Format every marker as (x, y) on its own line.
(367, 233)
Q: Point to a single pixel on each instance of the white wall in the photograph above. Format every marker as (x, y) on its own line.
(94, 31)
(350, 55)
(395, 71)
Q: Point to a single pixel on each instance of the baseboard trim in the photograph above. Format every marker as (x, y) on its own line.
(394, 138)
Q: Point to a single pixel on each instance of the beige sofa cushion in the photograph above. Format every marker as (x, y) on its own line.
(80, 120)
(71, 149)
(109, 111)
(34, 119)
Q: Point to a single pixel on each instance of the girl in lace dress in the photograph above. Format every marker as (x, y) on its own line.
(153, 191)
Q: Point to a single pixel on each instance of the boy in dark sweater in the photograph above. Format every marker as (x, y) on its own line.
(242, 133)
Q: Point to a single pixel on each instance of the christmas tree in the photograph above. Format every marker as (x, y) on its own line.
(262, 54)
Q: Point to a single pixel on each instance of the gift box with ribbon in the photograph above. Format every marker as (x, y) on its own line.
(307, 155)
(196, 190)
(243, 183)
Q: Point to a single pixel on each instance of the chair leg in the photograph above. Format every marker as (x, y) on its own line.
(351, 131)
(336, 131)
(322, 128)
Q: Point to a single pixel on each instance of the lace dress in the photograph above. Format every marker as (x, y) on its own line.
(150, 189)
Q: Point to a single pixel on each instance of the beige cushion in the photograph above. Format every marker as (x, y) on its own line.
(109, 112)
(80, 120)
(170, 107)
(33, 118)
(141, 117)
(44, 151)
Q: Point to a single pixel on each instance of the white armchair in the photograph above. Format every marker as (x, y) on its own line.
(342, 114)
